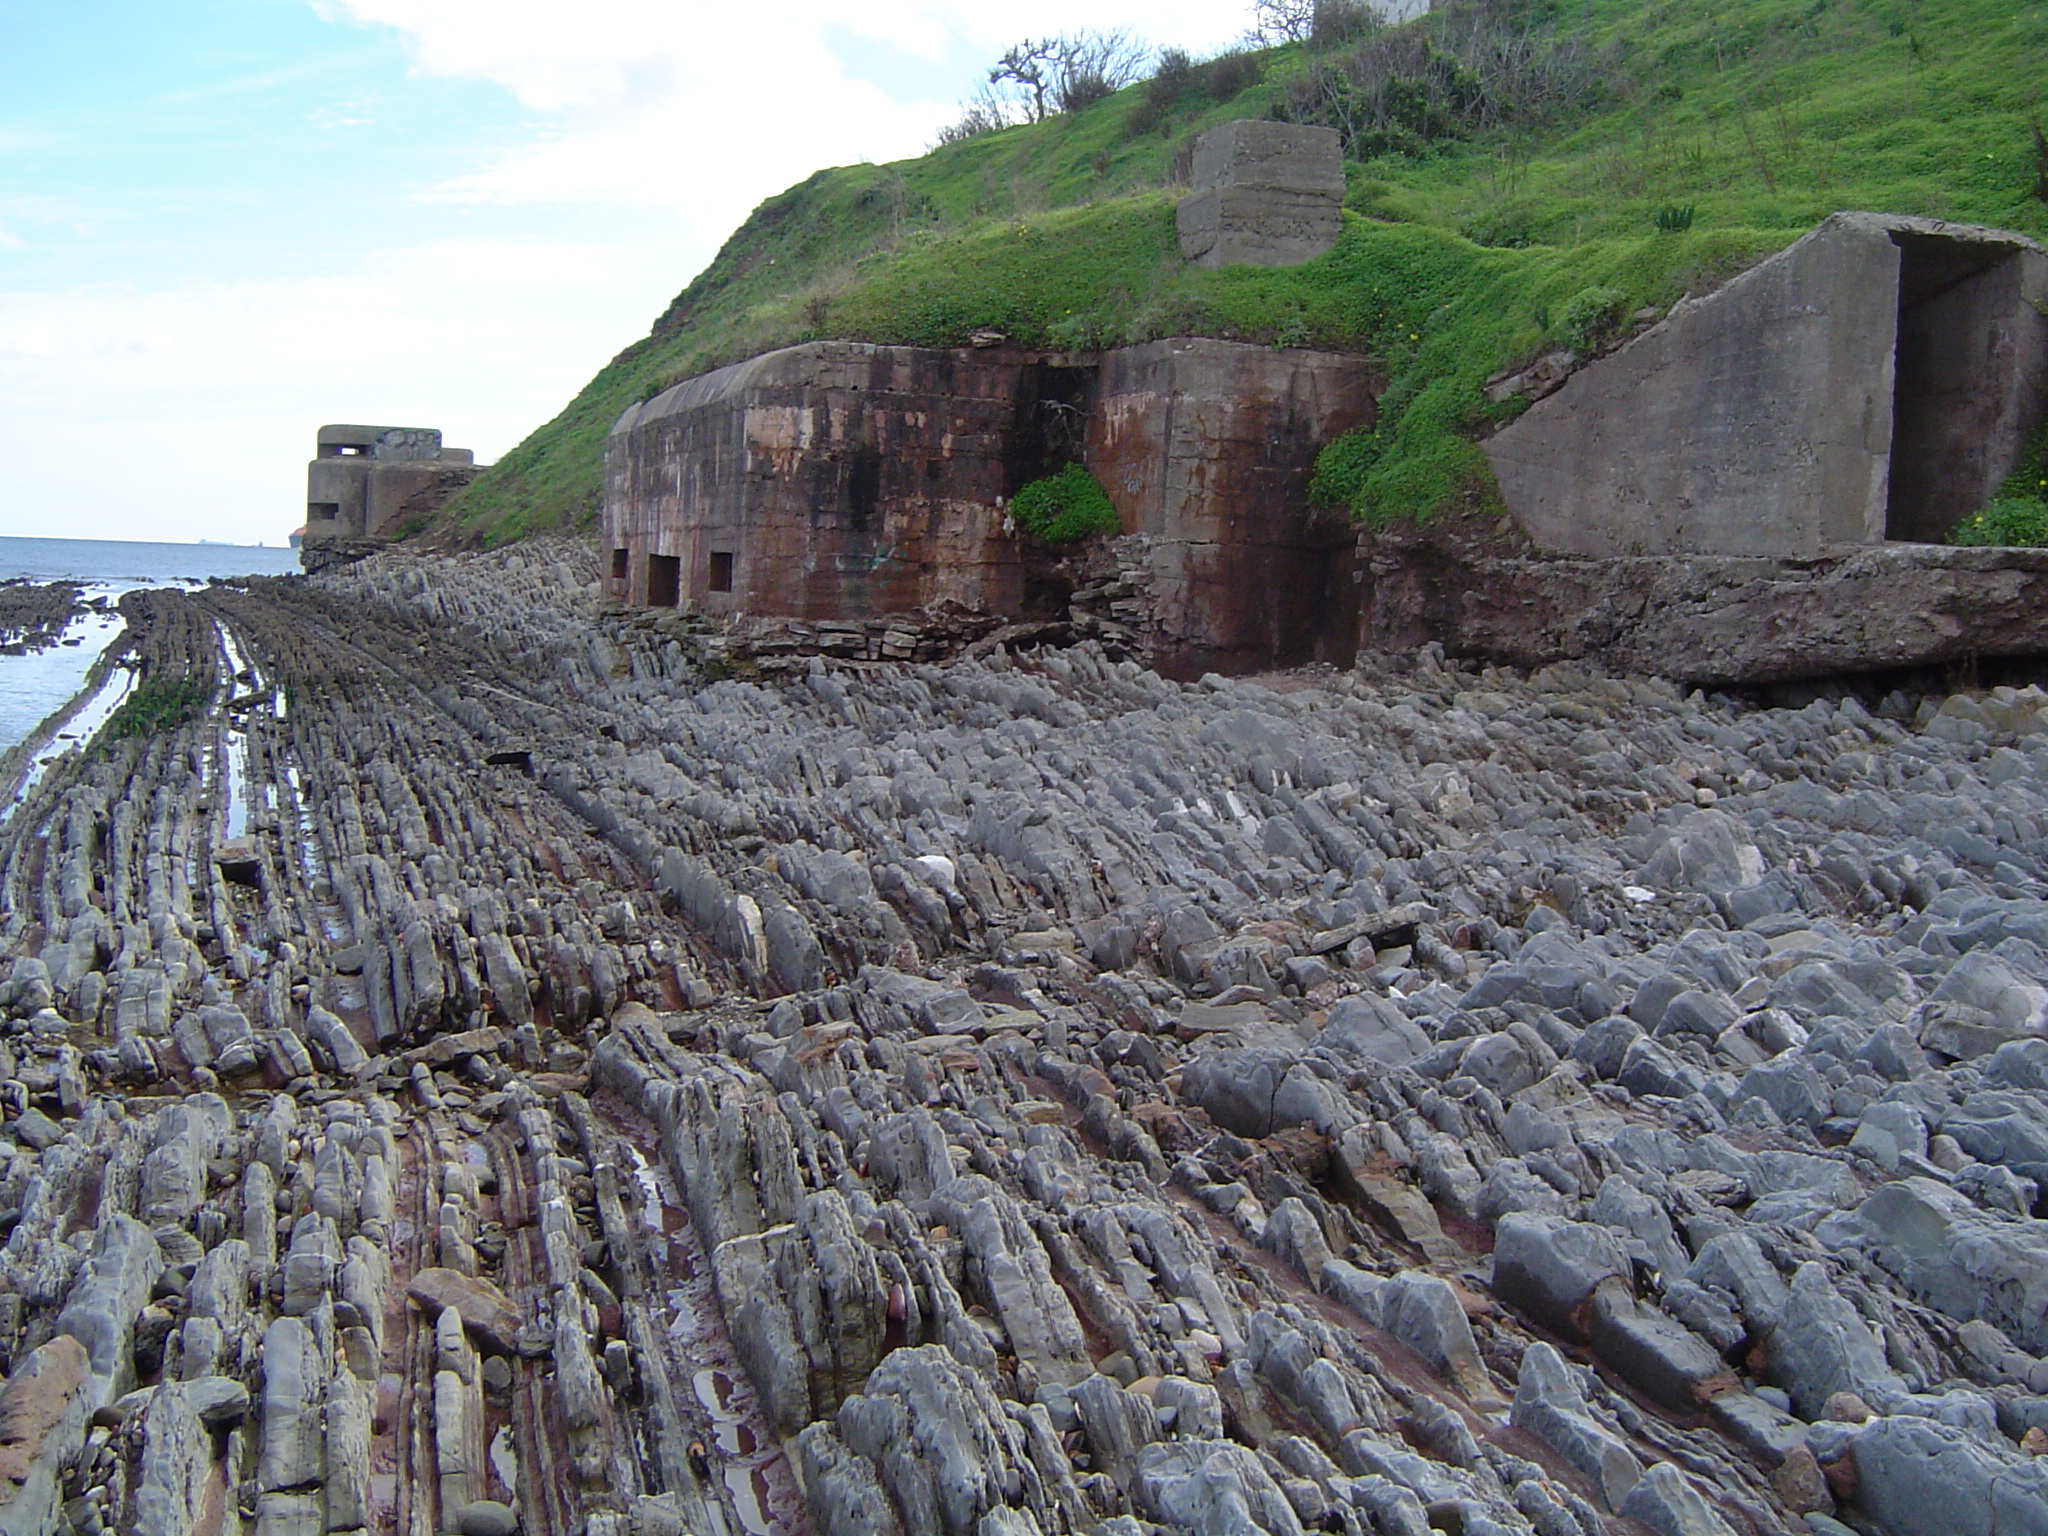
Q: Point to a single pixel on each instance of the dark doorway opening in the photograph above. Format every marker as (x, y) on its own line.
(863, 490)
(1050, 429)
(721, 571)
(664, 580)
(1954, 432)
(619, 558)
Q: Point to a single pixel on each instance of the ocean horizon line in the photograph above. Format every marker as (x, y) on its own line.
(49, 538)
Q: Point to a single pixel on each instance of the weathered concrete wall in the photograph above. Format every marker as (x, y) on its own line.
(1755, 421)
(1771, 417)
(838, 480)
(364, 481)
(1264, 194)
(834, 478)
(1208, 447)
(389, 444)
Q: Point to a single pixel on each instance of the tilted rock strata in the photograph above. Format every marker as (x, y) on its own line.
(484, 1076)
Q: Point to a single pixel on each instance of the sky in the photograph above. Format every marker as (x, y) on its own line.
(226, 222)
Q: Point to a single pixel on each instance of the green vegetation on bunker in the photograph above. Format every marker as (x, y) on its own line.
(1698, 138)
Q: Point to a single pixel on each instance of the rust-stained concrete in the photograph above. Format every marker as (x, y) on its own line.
(832, 479)
(838, 480)
(1208, 446)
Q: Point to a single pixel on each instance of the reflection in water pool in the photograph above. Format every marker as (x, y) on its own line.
(34, 686)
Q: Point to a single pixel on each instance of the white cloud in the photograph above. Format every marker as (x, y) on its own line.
(189, 412)
(721, 105)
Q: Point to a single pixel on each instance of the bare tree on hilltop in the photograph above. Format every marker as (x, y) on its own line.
(1320, 23)
(1042, 76)
(1068, 72)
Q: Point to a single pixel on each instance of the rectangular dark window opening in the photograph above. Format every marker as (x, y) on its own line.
(863, 489)
(721, 570)
(619, 558)
(322, 511)
(664, 580)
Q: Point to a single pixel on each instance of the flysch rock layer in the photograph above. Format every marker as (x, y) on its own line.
(483, 1074)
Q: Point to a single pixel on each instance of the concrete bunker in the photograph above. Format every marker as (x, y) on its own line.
(365, 482)
(838, 480)
(1874, 382)
(820, 481)
(1207, 447)
(1262, 194)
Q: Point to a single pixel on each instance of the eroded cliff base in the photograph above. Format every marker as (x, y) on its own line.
(1471, 583)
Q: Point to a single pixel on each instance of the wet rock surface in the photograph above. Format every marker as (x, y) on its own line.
(34, 614)
(486, 1073)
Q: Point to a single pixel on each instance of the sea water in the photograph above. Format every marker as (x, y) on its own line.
(34, 686)
(125, 564)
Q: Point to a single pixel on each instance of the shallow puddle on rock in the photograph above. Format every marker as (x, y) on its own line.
(733, 1435)
(78, 731)
(748, 1460)
(504, 1459)
(749, 1493)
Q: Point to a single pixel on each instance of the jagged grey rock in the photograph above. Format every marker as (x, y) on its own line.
(1551, 1406)
(983, 1213)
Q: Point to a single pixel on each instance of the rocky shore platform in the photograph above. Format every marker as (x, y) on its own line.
(34, 614)
(490, 1065)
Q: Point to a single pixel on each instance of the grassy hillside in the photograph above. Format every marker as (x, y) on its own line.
(1476, 236)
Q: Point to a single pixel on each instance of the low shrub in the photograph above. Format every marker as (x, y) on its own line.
(1181, 84)
(1064, 507)
(1333, 23)
(1590, 316)
(1503, 230)
(1467, 68)
(2008, 520)
(155, 707)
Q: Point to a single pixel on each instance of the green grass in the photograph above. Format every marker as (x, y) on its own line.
(2018, 514)
(2007, 521)
(1759, 116)
(156, 707)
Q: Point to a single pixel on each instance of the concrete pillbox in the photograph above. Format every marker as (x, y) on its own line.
(1264, 194)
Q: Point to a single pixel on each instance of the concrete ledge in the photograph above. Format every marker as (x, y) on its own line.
(1702, 619)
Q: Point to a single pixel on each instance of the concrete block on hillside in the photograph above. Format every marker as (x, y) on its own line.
(1264, 195)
